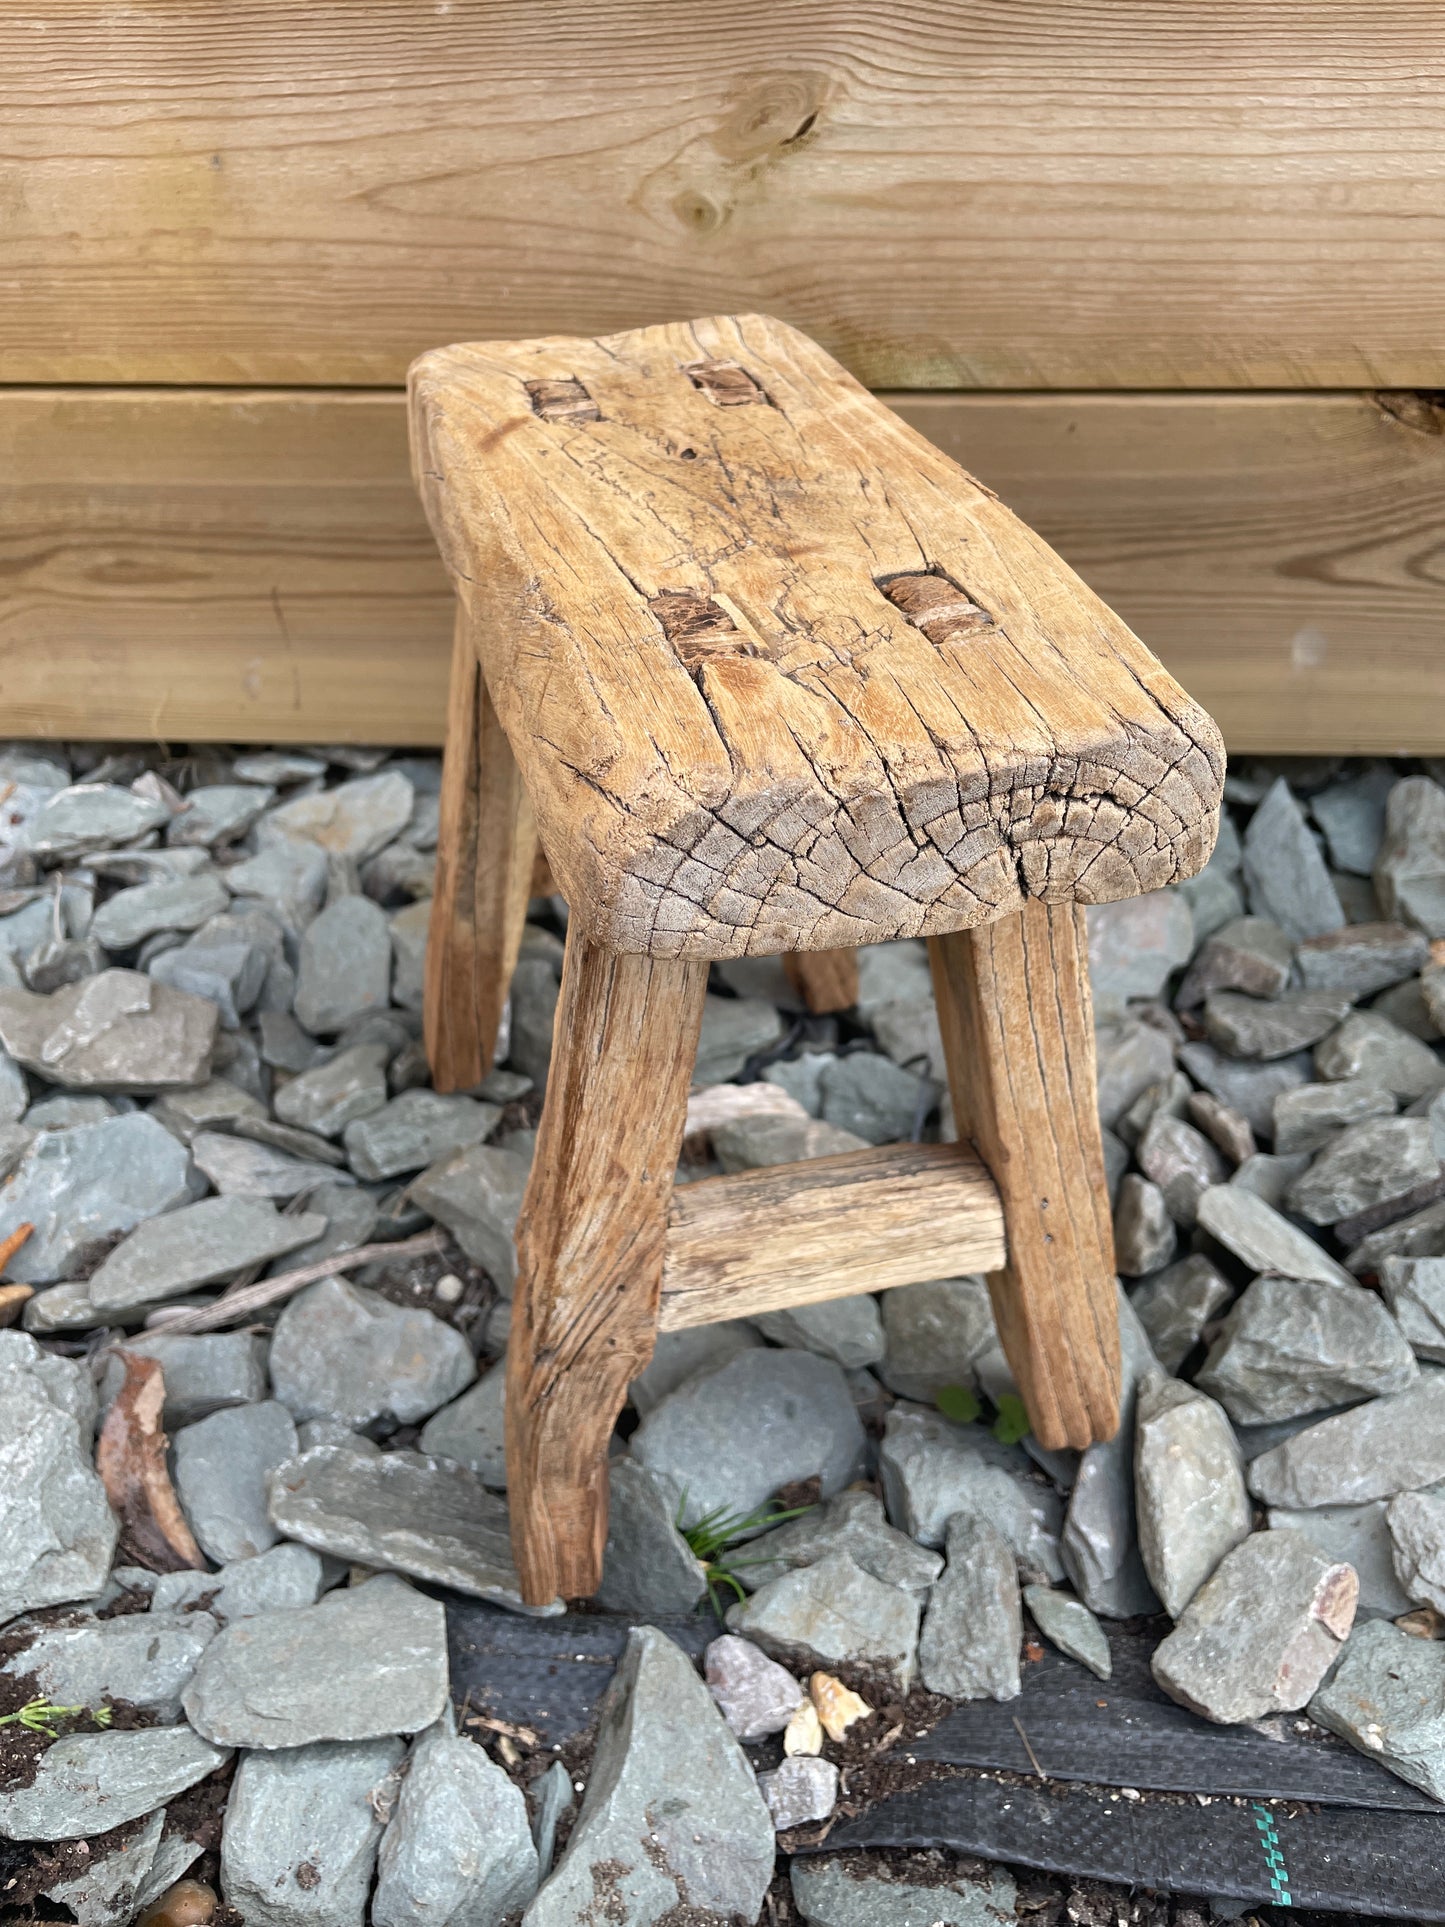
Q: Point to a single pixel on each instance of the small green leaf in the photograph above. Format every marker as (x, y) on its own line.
(958, 1403)
(1012, 1423)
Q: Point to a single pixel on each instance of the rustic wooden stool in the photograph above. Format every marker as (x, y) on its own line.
(766, 672)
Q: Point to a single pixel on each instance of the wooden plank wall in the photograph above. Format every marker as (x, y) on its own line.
(1142, 265)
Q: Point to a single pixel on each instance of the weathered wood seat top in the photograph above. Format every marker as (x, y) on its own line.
(778, 674)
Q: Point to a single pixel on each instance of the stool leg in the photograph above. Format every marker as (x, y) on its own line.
(826, 980)
(590, 1241)
(1018, 1036)
(486, 846)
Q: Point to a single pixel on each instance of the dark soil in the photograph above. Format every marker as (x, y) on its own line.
(413, 1281)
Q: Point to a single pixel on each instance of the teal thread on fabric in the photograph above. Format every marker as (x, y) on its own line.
(1273, 1854)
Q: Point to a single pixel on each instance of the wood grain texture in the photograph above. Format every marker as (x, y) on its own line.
(486, 859)
(590, 1240)
(256, 567)
(1018, 1039)
(1034, 195)
(826, 980)
(795, 1234)
(779, 676)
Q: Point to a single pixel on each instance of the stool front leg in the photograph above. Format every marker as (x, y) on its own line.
(1017, 1021)
(590, 1244)
(486, 849)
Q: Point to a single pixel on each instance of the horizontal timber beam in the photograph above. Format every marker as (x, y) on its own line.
(946, 196)
(796, 1234)
(253, 565)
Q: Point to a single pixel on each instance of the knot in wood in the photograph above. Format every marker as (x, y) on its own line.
(936, 604)
(727, 383)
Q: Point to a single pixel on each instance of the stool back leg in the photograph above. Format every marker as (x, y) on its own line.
(486, 849)
(1017, 1023)
(590, 1241)
(826, 980)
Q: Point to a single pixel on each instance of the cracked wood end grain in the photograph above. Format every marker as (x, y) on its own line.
(887, 709)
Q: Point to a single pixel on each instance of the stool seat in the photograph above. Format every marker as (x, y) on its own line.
(776, 673)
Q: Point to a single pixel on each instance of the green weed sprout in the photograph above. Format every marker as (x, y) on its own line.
(44, 1716)
(720, 1529)
(958, 1403)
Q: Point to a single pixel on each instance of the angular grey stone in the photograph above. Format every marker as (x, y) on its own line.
(802, 1789)
(1182, 1163)
(872, 1097)
(15, 1141)
(679, 1355)
(1098, 1545)
(1249, 954)
(839, 1893)
(729, 1437)
(1165, 1100)
(83, 1186)
(908, 1031)
(90, 816)
(1410, 868)
(327, 1097)
(848, 1330)
(284, 1045)
(1214, 899)
(239, 1168)
(1373, 1451)
(204, 1371)
(647, 1565)
(14, 1092)
(1189, 1488)
(1414, 1289)
(351, 1216)
(1175, 1305)
(57, 1531)
(365, 1661)
(854, 1523)
(171, 903)
(115, 1032)
(277, 766)
(1267, 1177)
(1136, 944)
(229, 975)
(1291, 1346)
(1068, 1624)
(932, 1468)
(476, 1193)
(754, 1694)
(1369, 1048)
(1421, 1235)
(341, 1351)
(107, 1893)
(471, 1429)
(1131, 1055)
(62, 1113)
(672, 1821)
(409, 928)
(221, 1467)
(458, 1851)
(289, 1138)
(89, 1783)
(533, 1008)
(144, 1658)
(63, 1308)
(402, 1512)
(801, 1077)
(1368, 1164)
(1416, 1522)
(934, 1334)
(286, 1575)
(354, 820)
(1260, 1635)
(345, 965)
(1352, 816)
(218, 813)
(1246, 1027)
(1260, 1238)
(733, 1030)
(1405, 1005)
(52, 965)
(312, 1432)
(289, 878)
(1358, 1536)
(1284, 873)
(1362, 958)
(1388, 1699)
(833, 1613)
(301, 1833)
(1144, 1234)
(416, 1129)
(215, 1104)
(554, 1800)
(749, 1143)
(200, 1244)
(890, 973)
(1308, 1117)
(1250, 1089)
(969, 1645)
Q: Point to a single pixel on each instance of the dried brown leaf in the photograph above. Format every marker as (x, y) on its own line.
(131, 1460)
